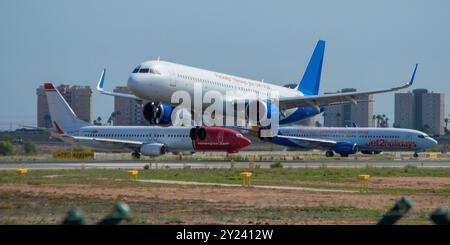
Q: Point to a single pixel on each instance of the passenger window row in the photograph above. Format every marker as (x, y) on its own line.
(138, 135)
(346, 136)
(225, 85)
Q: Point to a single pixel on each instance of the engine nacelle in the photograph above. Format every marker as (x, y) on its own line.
(262, 112)
(153, 149)
(157, 113)
(346, 148)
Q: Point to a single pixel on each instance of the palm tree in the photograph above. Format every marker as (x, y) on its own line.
(383, 121)
(112, 117)
(379, 118)
(98, 121)
(373, 120)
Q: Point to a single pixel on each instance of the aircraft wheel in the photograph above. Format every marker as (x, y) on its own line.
(416, 155)
(136, 155)
(329, 154)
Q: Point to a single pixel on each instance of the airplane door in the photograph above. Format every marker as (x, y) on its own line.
(173, 80)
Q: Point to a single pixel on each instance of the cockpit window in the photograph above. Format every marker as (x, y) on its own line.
(421, 136)
(136, 69)
(233, 136)
(154, 71)
(144, 70)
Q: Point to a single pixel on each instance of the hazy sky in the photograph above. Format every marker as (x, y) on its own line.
(370, 44)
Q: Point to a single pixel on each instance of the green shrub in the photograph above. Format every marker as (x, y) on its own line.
(276, 164)
(7, 149)
(232, 164)
(146, 167)
(409, 167)
(29, 148)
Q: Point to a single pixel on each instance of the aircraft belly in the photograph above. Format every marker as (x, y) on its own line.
(180, 145)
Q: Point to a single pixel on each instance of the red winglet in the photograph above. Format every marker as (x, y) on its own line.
(49, 86)
(58, 129)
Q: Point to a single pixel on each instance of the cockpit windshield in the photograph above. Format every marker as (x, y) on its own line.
(140, 69)
(136, 69)
(233, 136)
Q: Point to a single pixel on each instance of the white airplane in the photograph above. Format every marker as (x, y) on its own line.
(345, 141)
(145, 140)
(155, 81)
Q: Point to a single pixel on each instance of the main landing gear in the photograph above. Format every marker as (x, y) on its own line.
(329, 153)
(136, 155)
(416, 155)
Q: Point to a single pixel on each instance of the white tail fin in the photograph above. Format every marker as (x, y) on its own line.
(60, 112)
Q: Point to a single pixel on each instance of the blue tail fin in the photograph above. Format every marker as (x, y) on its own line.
(309, 85)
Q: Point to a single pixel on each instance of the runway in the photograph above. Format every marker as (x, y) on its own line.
(123, 164)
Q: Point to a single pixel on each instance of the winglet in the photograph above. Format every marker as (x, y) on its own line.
(413, 75)
(101, 81)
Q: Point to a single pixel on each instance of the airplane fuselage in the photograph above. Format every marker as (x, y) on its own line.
(367, 139)
(176, 139)
(159, 80)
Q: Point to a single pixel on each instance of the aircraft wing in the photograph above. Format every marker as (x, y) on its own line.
(328, 99)
(321, 142)
(126, 143)
(101, 83)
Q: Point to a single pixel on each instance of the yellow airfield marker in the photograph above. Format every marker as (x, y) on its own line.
(22, 171)
(246, 176)
(363, 182)
(133, 173)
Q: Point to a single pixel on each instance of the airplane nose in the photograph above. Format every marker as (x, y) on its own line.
(132, 83)
(244, 142)
(432, 141)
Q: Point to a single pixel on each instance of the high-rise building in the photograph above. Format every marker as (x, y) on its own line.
(404, 110)
(346, 114)
(420, 110)
(78, 97)
(127, 111)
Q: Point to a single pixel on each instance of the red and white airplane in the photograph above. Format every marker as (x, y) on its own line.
(145, 140)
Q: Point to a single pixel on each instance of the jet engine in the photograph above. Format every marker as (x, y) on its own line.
(157, 113)
(346, 148)
(153, 149)
(197, 133)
